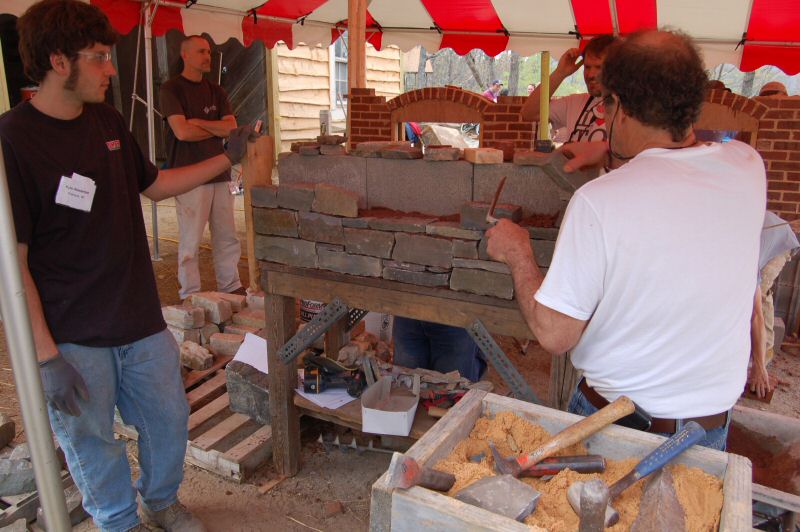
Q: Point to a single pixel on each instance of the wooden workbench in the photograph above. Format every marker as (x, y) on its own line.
(283, 285)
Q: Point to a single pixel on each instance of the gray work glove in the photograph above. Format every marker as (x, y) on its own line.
(61, 382)
(237, 142)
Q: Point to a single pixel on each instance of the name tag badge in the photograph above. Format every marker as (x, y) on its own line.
(77, 192)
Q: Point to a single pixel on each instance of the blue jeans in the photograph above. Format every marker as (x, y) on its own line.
(422, 344)
(143, 380)
(715, 438)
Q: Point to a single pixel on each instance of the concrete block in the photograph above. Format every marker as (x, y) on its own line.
(342, 262)
(321, 228)
(216, 308)
(311, 150)
(184, 335)
(483, 155)
(183, 317)
(465, 249)
(234, 328)
(418, 278)
(567, 182)
(195, 356)
(8, 430)
(543, 233)
(488, 265)
(526, 186)
(405, 152)
(543, 251)
(406, 224)
(248, 390)
(443, 154)
(278, 222)
(482, 283)
(255, 300)
(330, 199)
(344, 171)
(251, 318)
(419, 249)
(404, 266)
(452, 230)
(265, 196)
(330, 149)
(398, 185)
(296, 196)
(369, 242)
(225, 344)
(238, 302)
(290, 251)
(331, 140)
(206, 332)
(473, 214)
(16, 476)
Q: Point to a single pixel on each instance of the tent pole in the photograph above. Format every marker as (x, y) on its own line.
(544, 99)
(356, 49)
(21, 349)
(151, 140)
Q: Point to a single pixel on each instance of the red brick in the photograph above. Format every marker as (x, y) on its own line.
(779, 113)
(793, 176)
(715, 96)
(790, 103)
(776, 174)
(508, 117)
(788, 124)
(784, 185)
(748, 107)
(795, 135)
(764, 145)
(779, 165)
(766, 124)
(363, 91)
(497, 108)
(506, 135)
(759, 111)
(780, 206)
(738, 103)
(775, 155)
(523, 126)
(779, 135)
(773, 196)
(786, 146)
(794, 156)
(494, 126)
(791, 196)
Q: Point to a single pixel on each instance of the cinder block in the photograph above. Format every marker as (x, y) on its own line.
(278, 222)
(216, 308)
(483, 155)
(184, 317)
(337, 201)
(290, 251)
(488, 265)
(296, 196)
(184, 335)
(399, 185)
(368, 242)
(251, 318)
(265, 196)
(321, 228)
(482, 283)
(418, 278)
(339, 261)
(234, 328)
(194, 356)
(248, 390)
(473, 214)
(291, 168)
(225, 344)
(329, 149)
(427, 250)
(465, 249)
(543, 251)
(567, 182)
(406, 224)
(344, 171)
(526, 186)
(452, 230)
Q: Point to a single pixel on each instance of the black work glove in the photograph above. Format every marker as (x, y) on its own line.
(237, 142)
(61, 382)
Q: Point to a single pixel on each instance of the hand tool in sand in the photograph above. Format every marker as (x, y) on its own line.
(661, 456)
(587, 463)
(573, 434)
(490, 213)
(405, 472)
(659, 509)
(501, 494)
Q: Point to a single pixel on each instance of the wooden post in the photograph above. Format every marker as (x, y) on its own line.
(256, 170)
(5, 104)
(544, 99)
(285, 418)
(356, 44)
(273, 98)
(336, 338)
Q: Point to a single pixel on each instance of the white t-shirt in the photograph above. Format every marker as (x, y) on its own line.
(578, 118)
(661, 257)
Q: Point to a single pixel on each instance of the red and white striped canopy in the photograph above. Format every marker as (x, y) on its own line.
(746, 33)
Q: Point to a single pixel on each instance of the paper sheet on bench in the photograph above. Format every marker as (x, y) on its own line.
(333, 398)
(253, 351)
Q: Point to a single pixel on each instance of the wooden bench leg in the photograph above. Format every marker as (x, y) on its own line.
(336, 338)
(285, 418)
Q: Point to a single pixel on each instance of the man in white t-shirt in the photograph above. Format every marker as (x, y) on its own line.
(577, 117)
(654, 274)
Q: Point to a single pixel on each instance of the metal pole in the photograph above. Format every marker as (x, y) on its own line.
(151, 138)
(544, 99)
(22, 351)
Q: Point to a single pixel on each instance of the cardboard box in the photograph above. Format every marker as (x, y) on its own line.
(388, 411)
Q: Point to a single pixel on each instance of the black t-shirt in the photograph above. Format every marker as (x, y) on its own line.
(194, 99)
(92, 269)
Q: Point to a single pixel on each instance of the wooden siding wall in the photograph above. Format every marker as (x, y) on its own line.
(304, 83)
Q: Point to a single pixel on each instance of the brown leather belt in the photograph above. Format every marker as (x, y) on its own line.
(658, 424)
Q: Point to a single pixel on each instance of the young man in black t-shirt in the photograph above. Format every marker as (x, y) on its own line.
(75, 174)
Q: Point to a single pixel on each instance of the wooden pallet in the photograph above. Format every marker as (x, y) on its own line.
(220, 441)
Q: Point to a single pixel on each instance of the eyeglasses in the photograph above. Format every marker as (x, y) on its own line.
(97, 57)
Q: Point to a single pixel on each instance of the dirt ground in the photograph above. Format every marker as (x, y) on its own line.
(299, 503)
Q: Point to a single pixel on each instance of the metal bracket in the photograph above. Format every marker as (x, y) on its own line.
(500, 361)
(323, 321)
(354, 316)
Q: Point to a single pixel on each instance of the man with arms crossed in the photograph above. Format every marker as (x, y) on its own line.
(653, 278)
(200, 117)
(75, 174)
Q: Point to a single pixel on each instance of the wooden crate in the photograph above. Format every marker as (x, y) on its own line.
(221, 441)
(422, 509)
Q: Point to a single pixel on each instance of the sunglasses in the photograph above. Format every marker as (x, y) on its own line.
(97, 57)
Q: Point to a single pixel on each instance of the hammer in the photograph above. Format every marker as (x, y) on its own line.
(573, 434)
(661, 456)
(405, 472)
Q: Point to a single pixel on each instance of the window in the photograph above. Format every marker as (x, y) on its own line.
(339, 72)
